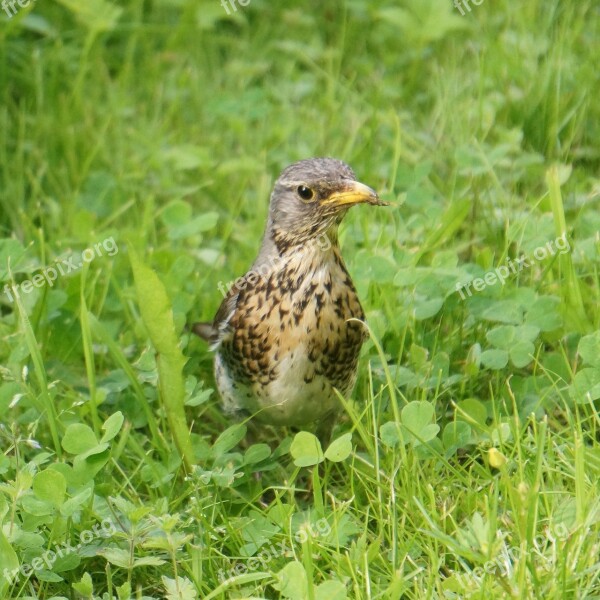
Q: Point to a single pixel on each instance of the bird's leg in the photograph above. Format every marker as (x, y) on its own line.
(325, 429)
(252, 434)
(323, 432)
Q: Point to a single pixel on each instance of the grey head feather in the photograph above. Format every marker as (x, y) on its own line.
(288, 214)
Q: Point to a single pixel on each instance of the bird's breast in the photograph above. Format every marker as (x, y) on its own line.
(292, 340)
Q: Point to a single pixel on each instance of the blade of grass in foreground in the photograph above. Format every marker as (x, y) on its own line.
(88, 352)
(571, 292)
(119, 357)
(157, 315)
(47, 405)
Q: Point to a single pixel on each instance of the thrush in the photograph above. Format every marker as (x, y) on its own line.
(289, 332)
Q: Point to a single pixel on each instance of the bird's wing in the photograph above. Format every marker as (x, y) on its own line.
(215, 332)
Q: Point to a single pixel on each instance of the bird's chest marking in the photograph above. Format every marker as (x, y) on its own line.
(291, 327)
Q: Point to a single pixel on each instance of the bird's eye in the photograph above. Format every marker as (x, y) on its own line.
(305, 193)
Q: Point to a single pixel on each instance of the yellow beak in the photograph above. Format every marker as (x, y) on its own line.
(354, 193)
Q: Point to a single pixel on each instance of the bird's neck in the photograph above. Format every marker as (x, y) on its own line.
(280, 247)
(309, 242)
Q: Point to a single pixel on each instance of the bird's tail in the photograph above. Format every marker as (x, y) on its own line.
(204, 330)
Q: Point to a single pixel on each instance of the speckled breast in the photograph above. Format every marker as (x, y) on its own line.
(291, 341)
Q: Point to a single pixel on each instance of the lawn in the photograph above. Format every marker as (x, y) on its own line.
(139, 144)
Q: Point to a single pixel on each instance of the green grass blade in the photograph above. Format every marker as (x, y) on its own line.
(157, 315)
(47, 404)
(119, 357)
(88, 353)
(571, 291)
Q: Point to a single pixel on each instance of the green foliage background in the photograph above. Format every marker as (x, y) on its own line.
(469, 462)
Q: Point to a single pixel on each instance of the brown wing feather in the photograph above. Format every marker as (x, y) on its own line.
(215, 331)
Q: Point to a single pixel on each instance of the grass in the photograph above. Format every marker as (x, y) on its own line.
(468, 463)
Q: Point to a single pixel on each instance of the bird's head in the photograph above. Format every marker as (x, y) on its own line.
(310, 198)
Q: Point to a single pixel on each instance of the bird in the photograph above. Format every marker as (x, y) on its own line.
(289, 332)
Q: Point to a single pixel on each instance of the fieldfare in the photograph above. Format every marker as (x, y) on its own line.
(285, 335)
